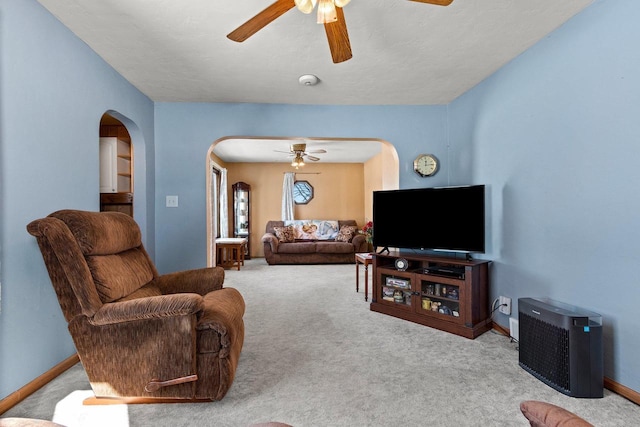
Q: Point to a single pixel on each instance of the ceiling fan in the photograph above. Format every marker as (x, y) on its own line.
(329, 13)
(299, 153)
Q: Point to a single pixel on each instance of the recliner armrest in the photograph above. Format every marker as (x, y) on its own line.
(148, 308)
(200, 281)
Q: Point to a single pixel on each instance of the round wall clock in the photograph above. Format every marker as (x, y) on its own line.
(302, 192)
(426, 165)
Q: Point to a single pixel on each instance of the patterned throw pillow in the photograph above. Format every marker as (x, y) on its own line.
(346, 233)
(285, 234)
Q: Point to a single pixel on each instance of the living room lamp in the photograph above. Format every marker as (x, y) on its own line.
(326, 8)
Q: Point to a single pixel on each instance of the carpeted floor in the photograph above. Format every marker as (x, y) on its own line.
(315, 355)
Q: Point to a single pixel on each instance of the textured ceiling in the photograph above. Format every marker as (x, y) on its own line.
(403, 52)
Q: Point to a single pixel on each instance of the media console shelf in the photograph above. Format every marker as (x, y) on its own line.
(449, 294)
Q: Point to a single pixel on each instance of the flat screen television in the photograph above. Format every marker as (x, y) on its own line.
(440, 218)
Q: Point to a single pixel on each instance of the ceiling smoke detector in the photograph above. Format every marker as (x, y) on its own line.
(308, 80)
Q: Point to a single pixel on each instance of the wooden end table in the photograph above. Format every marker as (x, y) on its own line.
(363, 258)
(231, 251)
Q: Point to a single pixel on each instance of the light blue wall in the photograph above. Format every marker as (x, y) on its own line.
(184, 133)
(556, 136)
(54, 90)
(553, 135)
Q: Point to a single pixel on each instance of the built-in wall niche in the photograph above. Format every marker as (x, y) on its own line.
(116, 166)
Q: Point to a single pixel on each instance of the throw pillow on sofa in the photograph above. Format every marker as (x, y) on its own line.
(346, 233)
(314, 229)
(285, 234)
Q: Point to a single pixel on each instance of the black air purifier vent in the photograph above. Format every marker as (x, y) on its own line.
(544, 350)
(561, 345)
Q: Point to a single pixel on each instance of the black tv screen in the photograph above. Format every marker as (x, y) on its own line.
(442, 218)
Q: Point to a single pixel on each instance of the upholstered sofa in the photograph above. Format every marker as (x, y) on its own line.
(311, 248)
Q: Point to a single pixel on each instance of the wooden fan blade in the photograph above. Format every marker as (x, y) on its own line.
(312, 158)
(286, 152)
(320, 151)
(436, 2)
(261, 20)
(338, 38)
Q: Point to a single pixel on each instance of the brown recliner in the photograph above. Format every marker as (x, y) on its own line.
(139, 334)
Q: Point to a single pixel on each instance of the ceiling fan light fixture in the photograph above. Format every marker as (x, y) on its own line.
(341, 3)
(327, 12)
(297, 161)
(306, 6)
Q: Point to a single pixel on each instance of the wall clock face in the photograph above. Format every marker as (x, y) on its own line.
(302, 192)
(425, 165)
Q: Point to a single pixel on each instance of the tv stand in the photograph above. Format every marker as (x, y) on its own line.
(450, 294)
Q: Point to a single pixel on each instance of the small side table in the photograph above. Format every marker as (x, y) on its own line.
(231, 251)
(363, 258)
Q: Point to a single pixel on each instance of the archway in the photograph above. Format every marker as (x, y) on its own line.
(142, 214)
(381, 172)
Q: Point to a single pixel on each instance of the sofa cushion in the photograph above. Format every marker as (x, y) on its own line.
(334, 248)
(297, 248)
(285, 234)
(346, 233)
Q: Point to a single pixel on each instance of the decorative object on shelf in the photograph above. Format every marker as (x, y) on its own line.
(401, 264)
(445, 310)
(426, 165)
(426, 304)
(367, 230)
(398, 297)
(302, 192)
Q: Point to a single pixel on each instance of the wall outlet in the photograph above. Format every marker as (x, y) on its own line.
(514, 328)
(172, 201)
(505, 305)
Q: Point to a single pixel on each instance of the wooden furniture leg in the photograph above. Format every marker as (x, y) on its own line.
(357, 273)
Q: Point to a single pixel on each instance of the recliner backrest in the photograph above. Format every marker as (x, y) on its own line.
(111, 243)
(92, 258)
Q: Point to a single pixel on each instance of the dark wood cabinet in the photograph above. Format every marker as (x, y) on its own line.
(242, 214)
(117, 202)
(449, 294)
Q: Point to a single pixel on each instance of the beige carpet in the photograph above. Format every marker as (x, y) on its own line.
(315, 355)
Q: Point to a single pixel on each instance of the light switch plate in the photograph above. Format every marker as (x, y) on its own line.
(172, 201)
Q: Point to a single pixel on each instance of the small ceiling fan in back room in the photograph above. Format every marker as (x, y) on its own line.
(329, 13)
(299, 153)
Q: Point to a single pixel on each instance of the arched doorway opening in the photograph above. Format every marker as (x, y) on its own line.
(379, 172)
(116, 166)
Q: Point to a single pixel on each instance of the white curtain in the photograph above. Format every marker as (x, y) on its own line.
(287, 196)
(224, 202)
(214, 213)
